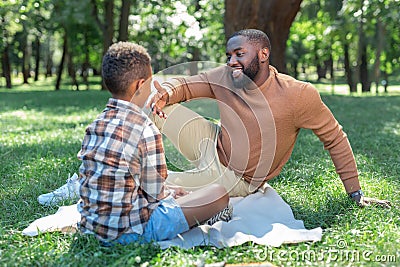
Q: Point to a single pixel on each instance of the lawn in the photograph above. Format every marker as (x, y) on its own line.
(41, 132)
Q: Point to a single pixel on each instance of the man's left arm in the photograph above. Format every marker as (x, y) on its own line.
(313, 114)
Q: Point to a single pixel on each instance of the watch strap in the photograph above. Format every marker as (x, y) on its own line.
(356, 193)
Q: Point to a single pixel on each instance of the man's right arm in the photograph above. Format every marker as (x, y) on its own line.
(178, 90)
(183, 89)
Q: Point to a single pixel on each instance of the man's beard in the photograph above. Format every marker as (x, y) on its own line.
(250, 72)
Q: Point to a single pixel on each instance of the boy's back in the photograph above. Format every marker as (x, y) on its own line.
(121, 150)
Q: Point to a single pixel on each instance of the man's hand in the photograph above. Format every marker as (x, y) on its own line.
(367, 201)
(158, 101)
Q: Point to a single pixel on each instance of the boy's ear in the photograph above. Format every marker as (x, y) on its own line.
(136, 85)
(141, 87)
(140, 83)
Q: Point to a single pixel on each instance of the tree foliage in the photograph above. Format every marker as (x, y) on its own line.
(362, 33)
(179, 26)
(355, 40)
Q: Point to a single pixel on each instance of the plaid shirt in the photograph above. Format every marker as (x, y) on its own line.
(122, 172)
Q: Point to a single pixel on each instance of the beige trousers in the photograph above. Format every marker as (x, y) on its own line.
(195, 138)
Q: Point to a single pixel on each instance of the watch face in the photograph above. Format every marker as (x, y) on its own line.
(357, 193)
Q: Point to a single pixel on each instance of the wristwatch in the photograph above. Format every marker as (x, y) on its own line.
(356, 193)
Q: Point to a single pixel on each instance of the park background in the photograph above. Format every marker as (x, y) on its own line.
(50, 90)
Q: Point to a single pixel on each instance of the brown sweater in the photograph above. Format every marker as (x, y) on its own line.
(259, 127)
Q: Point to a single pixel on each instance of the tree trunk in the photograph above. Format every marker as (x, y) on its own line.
(194, 50)
(49, 58)
(86, 64)
(295, 71)
(332, 73)
(124, 20)
(362, 54)
(25, 58)
(107, 27)
(365, 83)
(348, 70)
(322, 69)
(5, 60)
(61, 67)
(274, 17)
(386, 81)
(49, 66)
(194, 68)
(71, 70)
(380, 39)
(37, 58)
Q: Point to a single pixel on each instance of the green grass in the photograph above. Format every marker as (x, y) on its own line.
(41, 132)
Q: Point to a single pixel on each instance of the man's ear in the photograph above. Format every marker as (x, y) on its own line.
(264, 54)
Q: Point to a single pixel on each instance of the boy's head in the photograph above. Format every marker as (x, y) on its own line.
(125, 67)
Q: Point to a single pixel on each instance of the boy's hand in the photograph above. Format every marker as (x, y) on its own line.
(158, 101)
(177, 191)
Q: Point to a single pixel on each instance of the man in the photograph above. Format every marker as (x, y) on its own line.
(261, 114)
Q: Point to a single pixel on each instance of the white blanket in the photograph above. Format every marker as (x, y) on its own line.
(261, 218)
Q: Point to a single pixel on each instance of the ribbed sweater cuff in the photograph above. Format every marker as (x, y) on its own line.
(351, 184)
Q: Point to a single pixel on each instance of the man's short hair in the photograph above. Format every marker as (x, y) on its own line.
(256, 37)
(123, 64)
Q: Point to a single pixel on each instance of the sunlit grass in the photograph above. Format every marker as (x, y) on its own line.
(41, 132)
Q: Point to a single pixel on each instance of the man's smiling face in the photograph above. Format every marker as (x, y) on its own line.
(242, 56)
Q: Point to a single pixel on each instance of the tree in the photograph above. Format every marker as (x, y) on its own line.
(274, 17)
(362, 49)
(9, 26)
(177, 31)
(61, 66)
(386, 39)
(371, 20)
(124, 20)
(106, 25)
(79, 37)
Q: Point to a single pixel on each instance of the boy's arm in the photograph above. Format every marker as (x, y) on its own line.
(154, 168)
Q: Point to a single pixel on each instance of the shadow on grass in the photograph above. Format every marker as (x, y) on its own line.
(54, 102)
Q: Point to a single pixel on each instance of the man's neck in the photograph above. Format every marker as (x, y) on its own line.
(262, 76)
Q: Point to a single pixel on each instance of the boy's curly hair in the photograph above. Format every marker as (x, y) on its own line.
(124, 63)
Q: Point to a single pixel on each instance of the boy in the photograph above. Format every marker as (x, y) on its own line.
(123, 195)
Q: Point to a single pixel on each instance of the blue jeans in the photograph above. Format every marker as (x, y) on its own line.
(166, 222)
